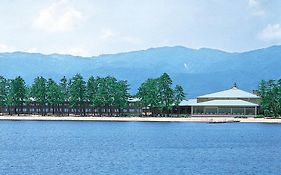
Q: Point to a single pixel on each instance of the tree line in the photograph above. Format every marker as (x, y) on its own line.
(159, 95)
(101, 94)
(270, 92)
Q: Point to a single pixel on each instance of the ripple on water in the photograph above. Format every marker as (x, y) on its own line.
(138, 148)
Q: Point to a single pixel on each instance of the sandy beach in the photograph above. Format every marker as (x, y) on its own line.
(137, 119)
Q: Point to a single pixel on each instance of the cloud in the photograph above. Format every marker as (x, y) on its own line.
(6, 48)
(253, 3)
(58, 17)
(71, 51)
(132, 40)
(107, 34)
(75, 51)
(271, 32)
(32, 50)
(256, 8)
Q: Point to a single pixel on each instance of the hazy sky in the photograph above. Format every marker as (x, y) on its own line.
(93, 27)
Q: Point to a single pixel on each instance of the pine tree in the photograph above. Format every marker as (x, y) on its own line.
(3, 92)
(121, 95)
(17, 94)
(270, 97)
(178, 95)
(109, 94)
(98, 101)
(39, 92)
(77, 91)
(149, 94)
(64, 87)
(166, 93)
(158, 94)
(91, 89)
(54, 95)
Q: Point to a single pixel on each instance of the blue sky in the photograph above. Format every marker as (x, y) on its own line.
(94, 27)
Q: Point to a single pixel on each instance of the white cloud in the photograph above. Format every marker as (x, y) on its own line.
(253, 3)
(68, 51)
(271, 32)
(132, 40)
(6, 48)
(256, 8)
(107, 34)
(32, 50)
(75, 51)
(58, 17)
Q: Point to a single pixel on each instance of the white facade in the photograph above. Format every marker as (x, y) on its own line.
(231, 102)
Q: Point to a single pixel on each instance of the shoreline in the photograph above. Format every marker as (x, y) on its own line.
(138, 119)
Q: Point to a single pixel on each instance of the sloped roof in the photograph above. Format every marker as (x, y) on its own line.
(234, 92)
(239, 103)
(188, 102)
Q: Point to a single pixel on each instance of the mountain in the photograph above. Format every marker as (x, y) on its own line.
(200, 71)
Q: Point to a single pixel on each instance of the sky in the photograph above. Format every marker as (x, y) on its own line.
(95, 27)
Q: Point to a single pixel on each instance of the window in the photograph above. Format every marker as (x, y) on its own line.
(225, 110)
(238, 111)
(250, 111)
(198, 110)
(211, 110)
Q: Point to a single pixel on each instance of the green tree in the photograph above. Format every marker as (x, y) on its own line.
(91, 89)
(166, 93)
(17, 93)
(3, 92)
(121, 95)
(105, 94)
(54, 95)
(263, 91)
(97, 101)
(270, 97)
(278, 96)
(273, 94)
(148, 94)
(158, 94)
(39, 92)
(78, 95)
(110, 94)
(29, 99)
(178, 95)
(64, 86)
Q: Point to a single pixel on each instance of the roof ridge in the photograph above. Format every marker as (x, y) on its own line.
(233, 92)
(236, 102)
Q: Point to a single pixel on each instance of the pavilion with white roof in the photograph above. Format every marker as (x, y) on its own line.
(231, 102)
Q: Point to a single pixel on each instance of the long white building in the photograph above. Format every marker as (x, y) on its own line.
(231, 102)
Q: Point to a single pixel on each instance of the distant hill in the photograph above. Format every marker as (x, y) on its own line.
(200, 71)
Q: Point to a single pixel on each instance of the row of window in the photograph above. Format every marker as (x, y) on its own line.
(71, 110)
(216, 110)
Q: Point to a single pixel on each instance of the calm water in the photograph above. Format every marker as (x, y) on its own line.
(138, 148)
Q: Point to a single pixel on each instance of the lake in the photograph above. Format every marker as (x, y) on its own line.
(154, 148)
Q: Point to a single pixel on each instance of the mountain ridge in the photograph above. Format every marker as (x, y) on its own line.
(162, 47)
(200, 71)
